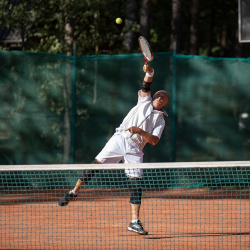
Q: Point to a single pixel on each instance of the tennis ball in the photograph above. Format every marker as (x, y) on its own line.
(118, 20)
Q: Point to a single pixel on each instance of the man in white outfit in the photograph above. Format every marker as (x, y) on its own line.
(143, 124)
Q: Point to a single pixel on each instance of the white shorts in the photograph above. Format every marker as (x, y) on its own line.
(119, 149)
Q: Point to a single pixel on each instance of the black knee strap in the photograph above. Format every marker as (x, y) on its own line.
(88, 174)
(136, 193)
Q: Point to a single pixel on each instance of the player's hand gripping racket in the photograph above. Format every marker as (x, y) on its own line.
(146, 50)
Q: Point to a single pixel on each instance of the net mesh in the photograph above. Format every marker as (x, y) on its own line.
(195, 205)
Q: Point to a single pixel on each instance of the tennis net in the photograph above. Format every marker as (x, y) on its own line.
(192, 205)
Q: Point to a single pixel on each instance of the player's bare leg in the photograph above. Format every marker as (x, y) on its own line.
(135, 225)
(72, 195)
(135, 211)
(135, 200)
(78, 186)
(80, 183)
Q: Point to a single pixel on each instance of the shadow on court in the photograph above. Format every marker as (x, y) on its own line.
(151, 236)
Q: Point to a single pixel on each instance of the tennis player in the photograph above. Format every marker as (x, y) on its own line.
(143, 124)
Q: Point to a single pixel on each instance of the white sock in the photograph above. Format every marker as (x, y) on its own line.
(133, 221)
(72, 192)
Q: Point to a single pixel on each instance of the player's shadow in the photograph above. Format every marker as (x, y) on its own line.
(156, 236)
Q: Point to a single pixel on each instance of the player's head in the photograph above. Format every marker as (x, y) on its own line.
(160, 99)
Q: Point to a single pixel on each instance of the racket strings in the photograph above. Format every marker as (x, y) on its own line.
(146, 50)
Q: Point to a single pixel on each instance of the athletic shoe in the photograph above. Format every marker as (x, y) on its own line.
(137, 227)
(67, 198)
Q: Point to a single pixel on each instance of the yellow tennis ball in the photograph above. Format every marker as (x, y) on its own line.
(118, 20)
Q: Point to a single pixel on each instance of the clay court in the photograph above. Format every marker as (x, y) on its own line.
(175, 219)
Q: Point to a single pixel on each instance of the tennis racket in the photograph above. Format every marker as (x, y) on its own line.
(146, 50)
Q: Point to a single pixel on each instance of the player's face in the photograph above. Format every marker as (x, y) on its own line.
(160, 99)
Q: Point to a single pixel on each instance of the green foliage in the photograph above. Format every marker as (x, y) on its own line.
(160, 25)
(42, 25)
(94, 27)
(94, 31)
(17, 17)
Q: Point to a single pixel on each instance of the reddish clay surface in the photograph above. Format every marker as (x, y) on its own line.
(175, 219)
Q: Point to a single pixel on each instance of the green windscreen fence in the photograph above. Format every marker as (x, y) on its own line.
(57, 109)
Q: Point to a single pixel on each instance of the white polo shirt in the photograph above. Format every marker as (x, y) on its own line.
(126, 146)
(145, 117)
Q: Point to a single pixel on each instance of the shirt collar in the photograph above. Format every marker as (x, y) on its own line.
(162, 111)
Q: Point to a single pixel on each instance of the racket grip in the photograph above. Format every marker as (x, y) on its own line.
(146, 65)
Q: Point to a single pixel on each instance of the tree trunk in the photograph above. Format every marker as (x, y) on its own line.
(131, 20)
(194, 27)
(211, 29)
(176, 26)
(145, 19)
(238, 47)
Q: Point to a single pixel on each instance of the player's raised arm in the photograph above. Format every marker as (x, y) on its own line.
(145, 90)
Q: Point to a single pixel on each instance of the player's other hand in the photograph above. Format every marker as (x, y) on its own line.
(133, 130)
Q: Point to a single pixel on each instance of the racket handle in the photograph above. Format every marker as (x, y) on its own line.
(146, 65)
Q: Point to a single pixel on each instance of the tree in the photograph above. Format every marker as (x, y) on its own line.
(145, 19)
(130, 22)
(175, 43)
(194, 27)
